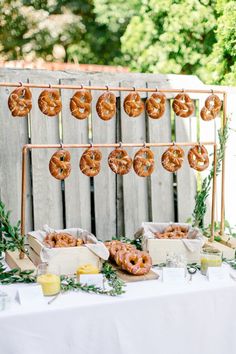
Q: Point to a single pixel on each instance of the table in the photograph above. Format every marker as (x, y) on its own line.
(151, 318)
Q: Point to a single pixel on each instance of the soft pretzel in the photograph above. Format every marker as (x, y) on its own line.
(144, 162)
(172, 232)
(137, 262)
(183, 105)
(49, 102)
(80, 104)
(133, 105)
(59, 239)
(198, 158)
(106, 105)
(173, 158)
(20, 102)
(90, 162)
(212, 108)
(119, 161)
(59, 165)
(155, 105)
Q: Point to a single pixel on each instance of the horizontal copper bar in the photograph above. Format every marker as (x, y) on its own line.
(104, 88)
(74, 146)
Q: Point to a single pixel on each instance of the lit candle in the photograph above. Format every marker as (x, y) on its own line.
(51, 284)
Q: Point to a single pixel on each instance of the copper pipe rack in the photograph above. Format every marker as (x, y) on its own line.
(28, 147)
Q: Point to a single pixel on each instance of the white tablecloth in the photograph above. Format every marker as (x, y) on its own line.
(151, 318)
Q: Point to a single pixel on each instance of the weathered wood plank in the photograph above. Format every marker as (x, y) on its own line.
(135, 188)
(105, 181)
(47, 196)
(77, 185)
(186, 131)
(161, 180)
(13, 135)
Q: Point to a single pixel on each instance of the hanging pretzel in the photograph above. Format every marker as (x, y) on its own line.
(106, 105)
(144, 162)
(212, 108)
(20, 101)
(155, 105)
(183, 105)
(59, 165)
(172, 159)
(119, 161)
(198, 158)
(90, 162)
(133, 105)
(49, 102)
(80, 104)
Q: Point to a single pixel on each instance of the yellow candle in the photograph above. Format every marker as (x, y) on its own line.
(87, 269)
(51, 284)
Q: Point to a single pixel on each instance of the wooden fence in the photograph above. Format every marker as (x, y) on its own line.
(107, 204)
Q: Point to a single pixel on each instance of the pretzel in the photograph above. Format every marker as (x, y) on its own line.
(59, 165)
(198, 158)
(49, 102)
(155, 105)
(173, 232)
(133, 105)
(90, 162)
(137, 262)
(106, 105)
(183, 105)
(144, 162)
(59, 239)
(212, 108)
(19, 102)
(173, 158)
(80, 104)
(119, 161)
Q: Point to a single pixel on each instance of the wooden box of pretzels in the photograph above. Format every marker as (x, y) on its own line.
(66, 250)
(159, 239)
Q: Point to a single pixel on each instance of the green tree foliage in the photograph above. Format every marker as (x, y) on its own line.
(221, 66)
(164, 36)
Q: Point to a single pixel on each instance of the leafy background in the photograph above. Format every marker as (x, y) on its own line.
(161, 36)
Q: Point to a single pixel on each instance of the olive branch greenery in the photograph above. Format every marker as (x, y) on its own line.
(202, 194)
(11, 239)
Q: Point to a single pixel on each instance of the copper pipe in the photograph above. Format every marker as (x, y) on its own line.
(104, 88)
(222, 224)
(23, 195)
(76, 146)
(213, 196)
(46, 146)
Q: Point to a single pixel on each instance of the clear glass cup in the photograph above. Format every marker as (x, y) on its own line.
(49, 281)
(210, 258)
(5, 301)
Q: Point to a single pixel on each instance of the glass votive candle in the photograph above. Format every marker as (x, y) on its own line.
(210, 258)
(5, 301)
(50, 282)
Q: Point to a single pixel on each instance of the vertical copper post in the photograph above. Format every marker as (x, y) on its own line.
(213, 196)
(23, 195)
(222, 224)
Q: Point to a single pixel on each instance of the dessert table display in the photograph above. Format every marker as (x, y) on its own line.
(151, 317)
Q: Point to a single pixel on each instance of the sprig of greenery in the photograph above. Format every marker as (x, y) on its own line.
(136, 242)
(11, 237)
(201, 195)
(116, 285)
(15, 275)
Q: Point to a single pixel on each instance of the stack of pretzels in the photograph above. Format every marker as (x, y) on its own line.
(61, 239)
(172, 232)
(128, 258)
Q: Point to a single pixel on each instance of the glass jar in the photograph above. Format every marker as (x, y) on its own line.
(5, 301)
(49, 281)
(210, 258)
